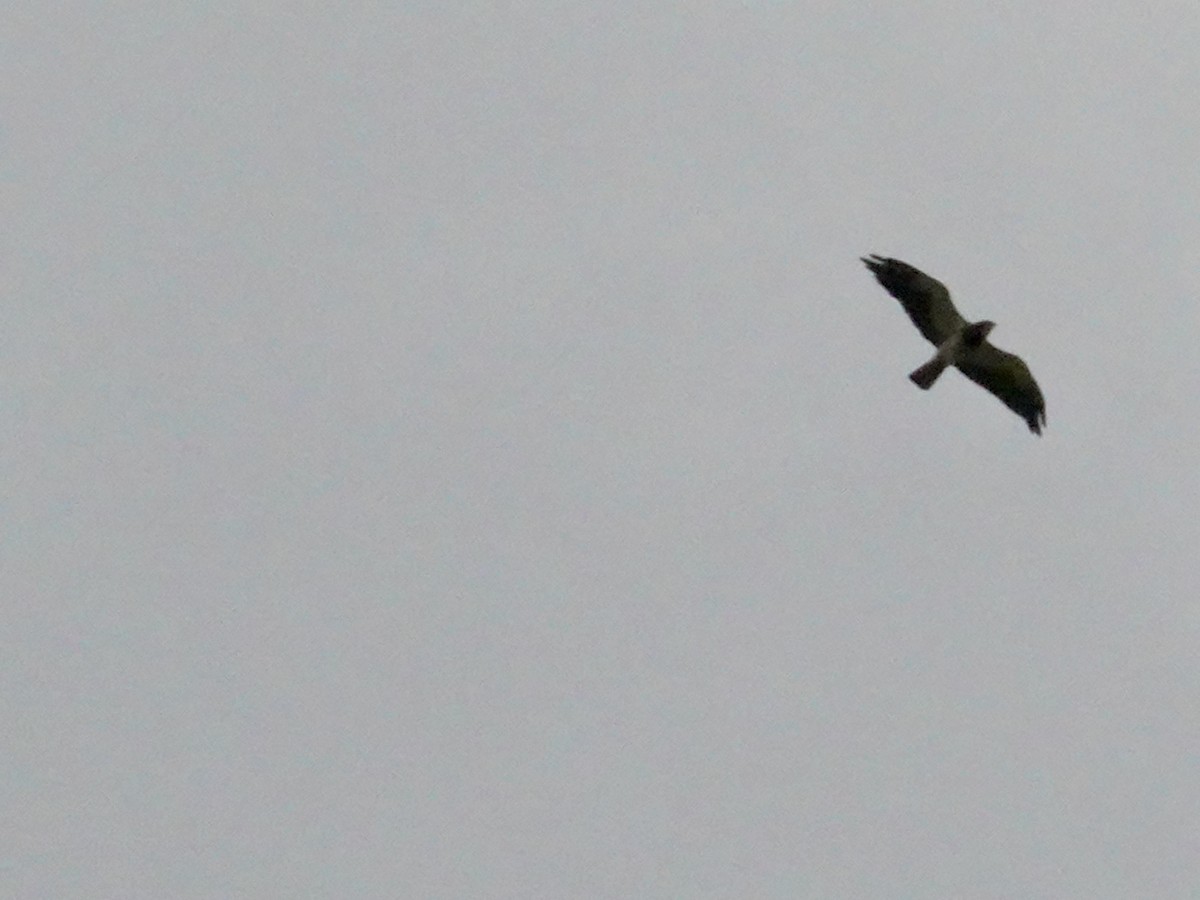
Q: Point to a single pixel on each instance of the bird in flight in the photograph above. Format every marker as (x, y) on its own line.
(959, 343)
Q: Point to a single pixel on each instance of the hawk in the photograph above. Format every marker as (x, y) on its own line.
(959, 343)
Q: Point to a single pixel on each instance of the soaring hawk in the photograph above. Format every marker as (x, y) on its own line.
(959, 343)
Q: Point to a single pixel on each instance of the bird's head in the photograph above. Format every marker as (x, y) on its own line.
(976, 333)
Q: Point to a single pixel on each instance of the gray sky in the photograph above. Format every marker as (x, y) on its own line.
(457, 452)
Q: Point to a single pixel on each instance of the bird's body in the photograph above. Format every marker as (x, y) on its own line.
(959, 343)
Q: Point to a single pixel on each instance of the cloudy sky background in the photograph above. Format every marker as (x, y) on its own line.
(456, 452)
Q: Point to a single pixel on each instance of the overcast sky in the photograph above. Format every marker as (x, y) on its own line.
(454, 451)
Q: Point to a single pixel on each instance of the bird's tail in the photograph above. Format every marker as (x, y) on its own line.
(926, 375)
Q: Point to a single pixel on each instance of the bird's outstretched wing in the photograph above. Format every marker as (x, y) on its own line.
(1008, 378)
(925, 299)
